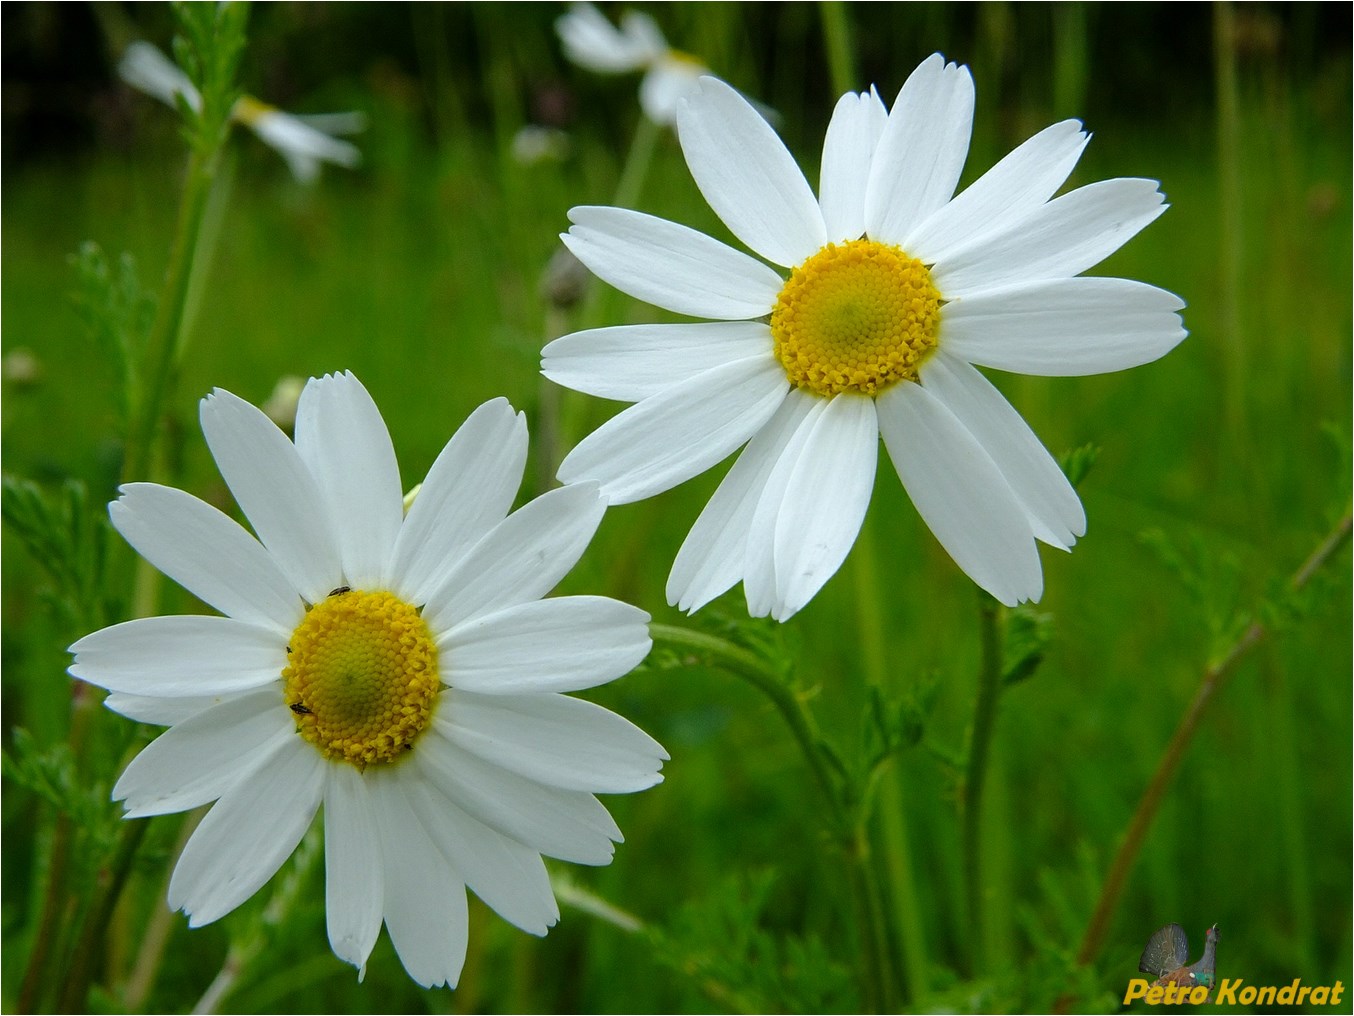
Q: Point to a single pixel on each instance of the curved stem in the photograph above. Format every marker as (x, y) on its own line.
(975, 774)
(1214, 679)
(742, 663)
(849, 826)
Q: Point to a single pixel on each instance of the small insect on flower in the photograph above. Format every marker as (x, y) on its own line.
(402, 671)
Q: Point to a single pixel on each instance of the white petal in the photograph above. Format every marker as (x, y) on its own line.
(507, 876)
(642, 32)
(1053, 508)
(162, 711)
(961, 493)
(848, 148)
(747, 175)
(553, 739)
(671, 266)
(567, 824)
(353, 890)
(247, 835)
(520, 559)
(591, 41)
(344, 441)
(632, 362)
(670, 80)
(1058, 240)
(1012, 189)
(302, 145)
(207, 553)
(424, 899)
(275, 490)
(921, 153)
(180, 656)
(468, 491)
(759, 570)
(680, 432)
(825, 500)
(565, 643)
(200, 759)
(712, 556)
(1065, 327)
(147, 69)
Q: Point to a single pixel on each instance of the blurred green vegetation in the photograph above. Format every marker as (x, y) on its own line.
(1221, 467)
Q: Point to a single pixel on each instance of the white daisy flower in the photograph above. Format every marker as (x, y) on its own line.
(896, 289)
(303, 141)
(591, 41)
(402, 671)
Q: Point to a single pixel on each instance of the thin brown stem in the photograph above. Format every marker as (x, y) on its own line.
(1214, 679)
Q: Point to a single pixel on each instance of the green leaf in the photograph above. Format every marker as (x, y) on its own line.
(732, 950)
(116, 312)
(1026, 636)
(70, 538)
(1077, 463)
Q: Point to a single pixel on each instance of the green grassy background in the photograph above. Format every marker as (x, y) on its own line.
(420, 272)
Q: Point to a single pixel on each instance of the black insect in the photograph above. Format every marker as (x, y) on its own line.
(300, 709)
(340, 590)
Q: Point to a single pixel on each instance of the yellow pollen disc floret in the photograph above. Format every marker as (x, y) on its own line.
(361, 677)
(855, 317)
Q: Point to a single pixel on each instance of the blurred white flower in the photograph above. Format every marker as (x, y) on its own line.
(304, 141)
(591, 41)
(402, 671)
(535, 144)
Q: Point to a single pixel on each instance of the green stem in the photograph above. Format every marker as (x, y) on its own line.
(984, 722)
(88, 950)
(637, 162)
(841, 59)
(742, 663)
(1236, 362)
(165, 341)
(848, 822)
(1215, 677)
(43, 941)
(892, 886)
(155, 937)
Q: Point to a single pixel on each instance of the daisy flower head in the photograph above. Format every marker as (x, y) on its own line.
(896, 288)
(593, 42)
(303, 141)
(402, 671)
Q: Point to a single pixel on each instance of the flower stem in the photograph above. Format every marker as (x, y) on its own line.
(637, 162)
(88, 950)
(1215, 677)
(165, 340)
(971, 800)
(1236, 362)
(742, 663)
(849, 825)
(841, 60)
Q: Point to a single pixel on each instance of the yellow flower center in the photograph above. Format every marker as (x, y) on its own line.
(855, 317)
(249, 110)
(361, 676)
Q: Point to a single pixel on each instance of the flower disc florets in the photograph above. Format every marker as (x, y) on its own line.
(855, 317)
(361, 677)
